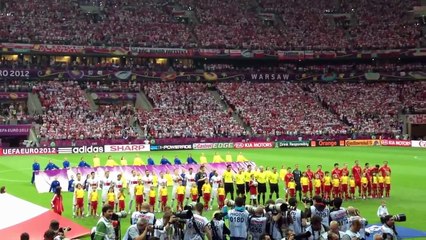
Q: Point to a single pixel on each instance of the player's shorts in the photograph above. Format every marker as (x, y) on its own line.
(229, 188)
(358, 183)
(121, 205)
(381, 185)
(310, 186)
(336, 190)
(240, 189)
(94, 205)
(214, 192)
(187, 192)
(180, 197)
(273, 188)
(194, 197)
(152, 201)
(79, 202)
(318, 191)
(387, 187)
(305, 188)
(221, 198)
(352, 190)
(253, 196)
(112, 204)
(344, 187)
(206, 197)
(374, 186)
(261, 187)
(327, 189)
(292, 192)
(139, 199)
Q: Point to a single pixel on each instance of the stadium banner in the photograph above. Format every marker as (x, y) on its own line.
(418, 144)
(221, 145)
(327, 143)
(416, 118)
(27, 151)
(367, 142)
(43, 179)
(79, 150)
(127, 148)
(171, 147)
(240, 145)
(281, 144)
(15, 130)
(395, 143)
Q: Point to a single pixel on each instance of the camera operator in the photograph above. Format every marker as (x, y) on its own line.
(339, 214)
(319, 209)
(104, 228)
(219, 229)
(298, 217)
(353, 232)
(143, 213)
(334, 229)
(354, 214)
(163, 226)
(59, 231)
(197, 227)
(238, 220)
(388, 228)
(257, 223)
(138, 231)
(317, 229)
(280, 218)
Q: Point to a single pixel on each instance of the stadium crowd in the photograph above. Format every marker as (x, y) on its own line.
(236, 194)
(217, 24)
(186, 110)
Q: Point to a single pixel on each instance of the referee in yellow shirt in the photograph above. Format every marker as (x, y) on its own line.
(240, 181)
(273, 183)
(261, 179)
(228, 179)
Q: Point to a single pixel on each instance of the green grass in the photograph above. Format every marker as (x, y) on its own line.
(408, 192)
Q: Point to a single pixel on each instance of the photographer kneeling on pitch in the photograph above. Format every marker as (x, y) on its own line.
(196, 226)
(388, 229)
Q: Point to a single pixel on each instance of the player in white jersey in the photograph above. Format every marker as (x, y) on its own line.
(131, 183)
(92, 182)
(162, 181)
(203, 225)
(190, 179)
(176, 179)
(77, 181)
(214, 181)
(106, 183)
(147, 182)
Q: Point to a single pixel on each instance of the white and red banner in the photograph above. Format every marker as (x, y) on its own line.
(127, 148)
(240, 145)
(396, 143)
(418, 144)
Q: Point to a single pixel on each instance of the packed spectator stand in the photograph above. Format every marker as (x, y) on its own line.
(263, 24)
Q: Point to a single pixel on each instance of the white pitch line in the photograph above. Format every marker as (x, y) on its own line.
(11, 180)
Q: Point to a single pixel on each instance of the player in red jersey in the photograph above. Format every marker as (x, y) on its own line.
(310, 175)
(385, 168)
(344, 171)
(366, 172)
(336, 171)
(320, 174)
(357, 174)
(287, 179)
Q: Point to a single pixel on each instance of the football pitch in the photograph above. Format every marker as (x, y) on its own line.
(408, 193)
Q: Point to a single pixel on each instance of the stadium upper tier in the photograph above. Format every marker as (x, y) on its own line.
(262, 24)
(199, 110)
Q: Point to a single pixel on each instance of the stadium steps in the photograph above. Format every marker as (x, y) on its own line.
(142, 102)
(218, 97)
(92, 103)
(34, 104)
